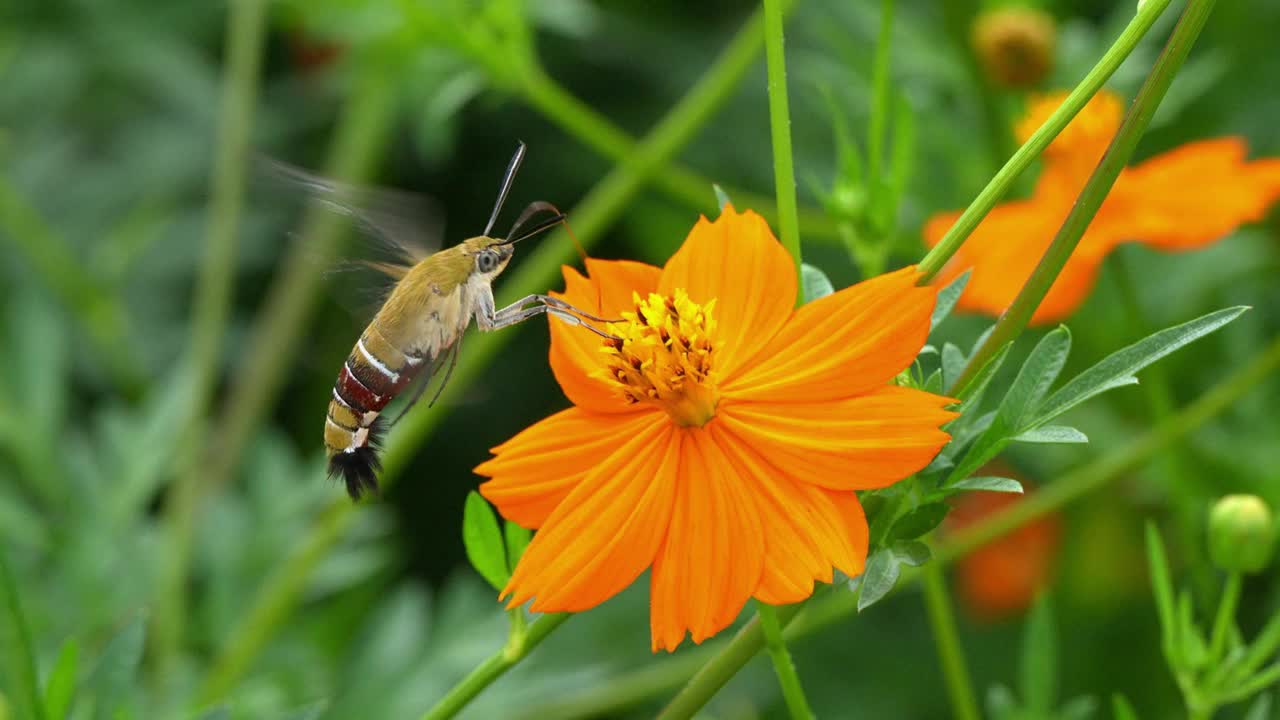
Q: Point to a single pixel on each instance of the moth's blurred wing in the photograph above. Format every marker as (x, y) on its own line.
(409, 225)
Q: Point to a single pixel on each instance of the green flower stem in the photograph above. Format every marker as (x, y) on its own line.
(99, 312)
(360, 134)
(792, 692)
(835, 606)
(880, 93)
(1031, 149)
(1189, 494)
(1264, 647)
(712, 675)
(590, 219)
(495, 667)
(942, 620)
(784, 174)
(1226, 615)
(681, 184)
(1014, 320)
(246, 30)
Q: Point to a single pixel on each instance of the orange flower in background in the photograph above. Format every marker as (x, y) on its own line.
(1180, 200)
(720, 439)
(1001, 579)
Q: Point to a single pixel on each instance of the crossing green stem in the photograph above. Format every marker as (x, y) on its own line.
(942, 621)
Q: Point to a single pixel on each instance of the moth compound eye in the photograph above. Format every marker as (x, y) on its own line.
(487, 261)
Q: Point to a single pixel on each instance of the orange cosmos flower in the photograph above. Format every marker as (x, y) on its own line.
(1180, 200)
(720, 440)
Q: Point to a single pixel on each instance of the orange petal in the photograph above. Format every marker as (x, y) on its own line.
(736, 261)
(533, 471)
(606, 531)
(1191, 196)
(1006, 247)
(807, 530)
(575, 352)
(714, 553)
(864, 442)
(841, 345)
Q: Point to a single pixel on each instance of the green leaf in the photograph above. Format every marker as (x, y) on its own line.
(722, 197)
(911, 552)
(1260, 709)
(112, 682)
(1161, 589)
(973, 392)
(517, 540)
(918, 521)
(1052, 434)
(61, 685)
(1034, 380)
(816, 284)
(1081, 707)
(1037, 667)
(988, 483)
(1121, 709)
(1001, 705)
(952, 364)
(933, 383)
(1194, 650)
(1117, 369)
(483, 541)
(879, 577)
(947, 298)
(17, 655)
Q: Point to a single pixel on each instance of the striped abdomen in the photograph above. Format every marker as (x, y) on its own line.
(374, 373)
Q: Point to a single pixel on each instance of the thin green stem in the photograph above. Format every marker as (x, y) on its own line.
(1254, 685)
(1031, 149)
(880, 93)
(1225, 616)
(17, 653)
(1014, 320)
(494, 667)
(1264, 647)
(100, 313)
(246, 29)
(783, 666)
(1188, 492)
(712, 676)
(942, 621)
(784, 174)
(833, 607)
(590, 219)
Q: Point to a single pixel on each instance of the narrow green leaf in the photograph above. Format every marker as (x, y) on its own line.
(61, 685)
(1161, 589)
(1034, 379)
(1118, 368)
(988, 483)
(1052, 434)
(1121, 709)
(816, 283)
(483, 541)
(112, 683)
(902, 154)
(1001, 705)
(933, 383)
(972, 393)
(1260, 709)
(1037, 667)
(879, 577)
(947, 298)
(918, 521)
(1081, 707)
(1194, 650)
(722, 197)
(517, 540)
(17, 655)
(911, 552)
(952, 364)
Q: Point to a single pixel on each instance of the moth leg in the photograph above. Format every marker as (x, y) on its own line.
(560, 305)
(514, 314)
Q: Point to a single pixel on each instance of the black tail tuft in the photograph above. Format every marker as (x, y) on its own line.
(359, 468)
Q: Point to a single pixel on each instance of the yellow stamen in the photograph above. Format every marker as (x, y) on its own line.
(664, 355)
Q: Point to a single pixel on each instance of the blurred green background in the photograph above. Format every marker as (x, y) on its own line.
(110, 133)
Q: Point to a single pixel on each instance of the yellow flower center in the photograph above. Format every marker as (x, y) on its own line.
(663, 354)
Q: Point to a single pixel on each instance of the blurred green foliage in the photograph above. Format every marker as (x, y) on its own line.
(107, 119)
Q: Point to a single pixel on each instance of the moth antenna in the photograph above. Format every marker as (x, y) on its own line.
(507, 179)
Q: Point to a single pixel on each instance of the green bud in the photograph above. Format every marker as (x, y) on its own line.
(1241, 533)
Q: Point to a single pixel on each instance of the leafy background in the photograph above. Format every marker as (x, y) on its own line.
(108, 132)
